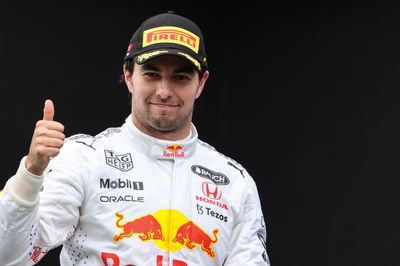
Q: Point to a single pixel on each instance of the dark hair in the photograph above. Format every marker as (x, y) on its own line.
(130, 64)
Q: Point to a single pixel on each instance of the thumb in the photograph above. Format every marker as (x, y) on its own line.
(48, 111)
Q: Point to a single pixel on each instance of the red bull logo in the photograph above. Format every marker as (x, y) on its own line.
(175, 147)
(112, 259)
(178, 233)
(147, 227)
(191, 235)
(174, 151)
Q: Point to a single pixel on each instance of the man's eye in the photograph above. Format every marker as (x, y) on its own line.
(181, 77)
(151, 74)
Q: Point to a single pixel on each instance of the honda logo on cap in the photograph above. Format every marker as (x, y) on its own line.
(211, 190)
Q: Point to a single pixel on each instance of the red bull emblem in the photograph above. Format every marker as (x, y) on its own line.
(178, 233)
(113, 258)
(175, 147)
(174, 151)
(191, 235)
(147, 227)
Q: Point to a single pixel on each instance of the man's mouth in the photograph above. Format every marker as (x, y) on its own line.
(164, 105)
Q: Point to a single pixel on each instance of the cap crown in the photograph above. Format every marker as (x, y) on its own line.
(168, 33)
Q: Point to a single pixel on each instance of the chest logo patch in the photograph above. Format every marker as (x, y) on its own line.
(122, 162)
(169, 230)
(217, 178)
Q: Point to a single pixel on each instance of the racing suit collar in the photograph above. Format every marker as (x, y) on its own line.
(162, 149)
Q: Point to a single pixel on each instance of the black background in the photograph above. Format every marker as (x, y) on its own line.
(304, 95)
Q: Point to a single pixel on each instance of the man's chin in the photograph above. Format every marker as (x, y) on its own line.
(163, 125)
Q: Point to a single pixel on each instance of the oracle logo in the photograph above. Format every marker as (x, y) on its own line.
(211, 190)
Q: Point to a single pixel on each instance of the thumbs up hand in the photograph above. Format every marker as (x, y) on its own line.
(47, 140)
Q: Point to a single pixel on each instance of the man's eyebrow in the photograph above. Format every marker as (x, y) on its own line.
(185, 69)
(149, 66)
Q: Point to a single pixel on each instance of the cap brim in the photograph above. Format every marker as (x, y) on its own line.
(148, 55)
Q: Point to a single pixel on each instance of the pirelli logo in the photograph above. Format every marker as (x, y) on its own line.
(171, 35)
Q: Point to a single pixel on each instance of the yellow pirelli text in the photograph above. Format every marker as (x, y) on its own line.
(169, 34)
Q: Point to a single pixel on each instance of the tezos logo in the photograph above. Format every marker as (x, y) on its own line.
(122, 162)
(217, 178)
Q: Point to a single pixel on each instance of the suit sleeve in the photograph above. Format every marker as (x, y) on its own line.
(248, 244)
(34, 222)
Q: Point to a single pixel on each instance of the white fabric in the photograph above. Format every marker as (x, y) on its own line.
(125, 198)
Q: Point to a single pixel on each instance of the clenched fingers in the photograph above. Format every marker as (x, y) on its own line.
(50, 125)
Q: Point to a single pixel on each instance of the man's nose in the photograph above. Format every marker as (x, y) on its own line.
(164, 88)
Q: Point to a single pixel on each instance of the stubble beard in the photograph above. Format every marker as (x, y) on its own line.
(161, 123)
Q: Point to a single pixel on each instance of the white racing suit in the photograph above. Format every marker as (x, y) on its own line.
(124, 198)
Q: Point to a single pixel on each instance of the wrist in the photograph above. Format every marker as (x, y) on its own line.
(31, 168)
(24, 187)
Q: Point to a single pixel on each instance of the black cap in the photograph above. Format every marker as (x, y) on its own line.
(168, 33)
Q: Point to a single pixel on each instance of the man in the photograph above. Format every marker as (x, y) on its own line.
(146, 193)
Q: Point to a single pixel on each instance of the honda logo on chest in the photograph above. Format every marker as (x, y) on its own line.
(211, 190)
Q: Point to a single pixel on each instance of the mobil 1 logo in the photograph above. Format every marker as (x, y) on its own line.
(122, 162)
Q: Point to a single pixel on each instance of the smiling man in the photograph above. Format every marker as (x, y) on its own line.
(146, 193)
(163, 95)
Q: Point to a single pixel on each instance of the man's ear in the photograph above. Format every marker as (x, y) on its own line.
(128, 78)
(202, 83)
